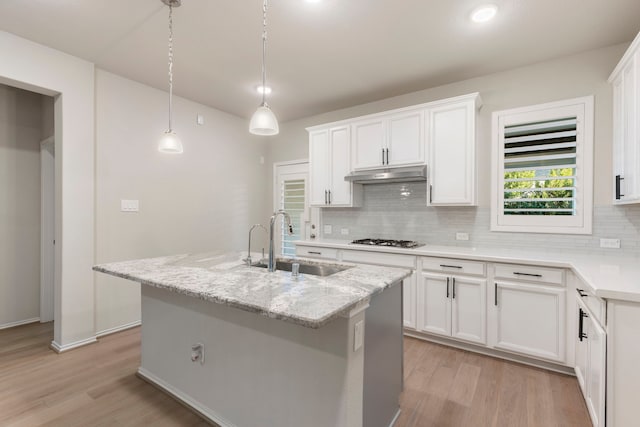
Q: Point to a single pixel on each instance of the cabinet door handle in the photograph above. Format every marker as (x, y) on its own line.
(387, 150)
(618, 179)
(527, 274)
(495, 294)
(447, 287)
(325, 197)
(449, 266)
(430, 193)
(453, 285)
(314, 252)
(582, 293)
(329, 196)
(581, 334)
(383, 156)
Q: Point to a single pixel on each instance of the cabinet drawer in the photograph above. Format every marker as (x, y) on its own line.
(315, 252)
(595, 304)
(453, 266)
(553, 276)
(391, 260)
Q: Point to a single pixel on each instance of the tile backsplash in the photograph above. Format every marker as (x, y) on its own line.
(399, 211)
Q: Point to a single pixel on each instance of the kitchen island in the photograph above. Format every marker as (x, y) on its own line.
(271, 349)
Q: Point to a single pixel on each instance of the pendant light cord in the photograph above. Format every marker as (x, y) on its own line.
(170, 66)
(264, 51)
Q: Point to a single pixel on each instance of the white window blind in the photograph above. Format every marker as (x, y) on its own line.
(292, 201)
(540, 168)
(543, 168)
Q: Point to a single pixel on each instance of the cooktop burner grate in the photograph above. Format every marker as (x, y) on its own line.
(386, 242)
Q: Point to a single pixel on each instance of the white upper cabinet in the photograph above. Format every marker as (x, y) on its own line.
(389, 140)
(626, 126)
(451, 142)
(405, 144)
(329, 163)
(369, 143)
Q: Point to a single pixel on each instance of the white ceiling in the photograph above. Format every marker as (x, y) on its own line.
(322, 56)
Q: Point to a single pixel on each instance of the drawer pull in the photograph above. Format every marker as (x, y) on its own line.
(314, 252)
(582, 293)
(449, 266)
(447, 287)
(527, 274)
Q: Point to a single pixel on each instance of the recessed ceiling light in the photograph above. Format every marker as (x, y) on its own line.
(266, 90)
(484, 13)
(313, 1)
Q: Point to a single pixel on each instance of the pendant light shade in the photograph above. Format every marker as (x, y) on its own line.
(263, 121)
(169, 142)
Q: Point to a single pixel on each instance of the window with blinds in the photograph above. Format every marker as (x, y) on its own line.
(540, 168)
(543, 171)
(292, 199)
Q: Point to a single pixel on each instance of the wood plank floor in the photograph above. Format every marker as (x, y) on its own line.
(96, 386)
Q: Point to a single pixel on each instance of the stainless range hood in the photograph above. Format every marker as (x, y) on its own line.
(381, 176)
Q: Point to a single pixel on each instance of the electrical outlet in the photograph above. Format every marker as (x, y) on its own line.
(462, 236)
(344, 231)
(610, 243)
(200, 119)
(328, 229)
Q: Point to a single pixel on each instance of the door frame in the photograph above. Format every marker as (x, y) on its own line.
(47, 229)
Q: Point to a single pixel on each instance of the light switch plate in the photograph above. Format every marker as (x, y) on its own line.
(200, 119)
(344, 231)
(129, 205)
(328, 229)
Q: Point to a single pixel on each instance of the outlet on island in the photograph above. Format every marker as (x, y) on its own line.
(328, 229)
(462, 236)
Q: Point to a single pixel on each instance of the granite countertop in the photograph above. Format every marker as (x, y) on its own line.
(615, 276)
(224, 278)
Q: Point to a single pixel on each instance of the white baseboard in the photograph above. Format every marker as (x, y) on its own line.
(118, 329)
(19, 322)
(62, 348)
(184, 399)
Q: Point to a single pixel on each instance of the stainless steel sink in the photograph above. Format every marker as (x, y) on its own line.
(321, 270)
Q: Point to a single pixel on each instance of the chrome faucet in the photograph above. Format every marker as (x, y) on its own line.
(272, 264)
(248, 259)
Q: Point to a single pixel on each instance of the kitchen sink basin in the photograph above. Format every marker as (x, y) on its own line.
(321, 270)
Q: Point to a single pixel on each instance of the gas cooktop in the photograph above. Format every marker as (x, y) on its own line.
(392, 243)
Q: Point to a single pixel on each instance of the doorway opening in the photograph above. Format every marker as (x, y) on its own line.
(27, 208)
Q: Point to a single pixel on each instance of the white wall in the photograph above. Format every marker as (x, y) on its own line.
(202, 200)
(569, 77)
(20, 135)
(71, 80)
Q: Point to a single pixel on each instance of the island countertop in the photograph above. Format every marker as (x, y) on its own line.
(224, 278)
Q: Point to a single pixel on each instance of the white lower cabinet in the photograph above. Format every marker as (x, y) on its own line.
(409, 301)
(591, 347)
(529, 319)
(452, 306)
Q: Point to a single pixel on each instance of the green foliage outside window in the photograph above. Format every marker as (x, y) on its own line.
(545, 187)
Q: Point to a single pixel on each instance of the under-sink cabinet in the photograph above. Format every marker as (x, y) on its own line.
(450, 302)
(329, 154)
(527, 311)
(590, 353)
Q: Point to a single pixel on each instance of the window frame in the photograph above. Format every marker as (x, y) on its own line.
(581, 223)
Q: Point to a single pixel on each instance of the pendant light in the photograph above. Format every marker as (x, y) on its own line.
(169, 142)
(263, 121)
